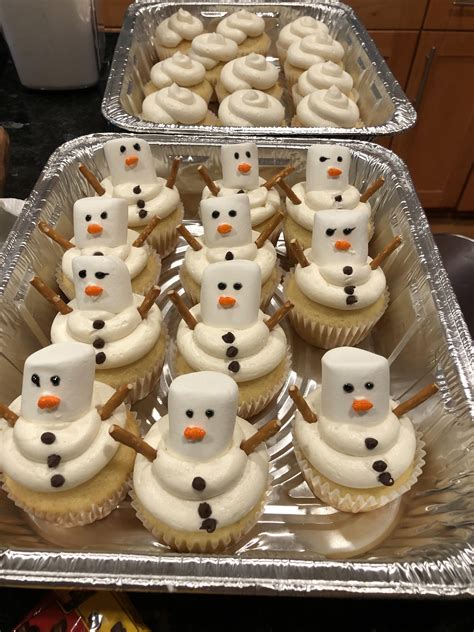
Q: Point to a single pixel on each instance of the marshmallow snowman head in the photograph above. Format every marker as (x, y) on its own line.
(202, 409)
(240, 166)
(327, 168)
(230, 294)
(130, 160)
(226, 221)
(102, 283)
(355, 386)
(340, 237)
(100, 221)
(58, 382)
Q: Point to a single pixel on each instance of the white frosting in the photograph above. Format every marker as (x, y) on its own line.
(212, 48)
(263, 203)
(328, 108)
(240, 25)
(251, 71)
(178, 27)
(323, 75)
(251, 108)
(314, 48)
(299, 28)
(179, 69)
(174, 105)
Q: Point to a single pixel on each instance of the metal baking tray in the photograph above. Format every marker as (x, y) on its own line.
(383, 105)
(426, 548)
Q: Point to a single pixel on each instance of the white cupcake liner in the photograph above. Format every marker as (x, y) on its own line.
(164, 241)
(144, 385)
(356, 502)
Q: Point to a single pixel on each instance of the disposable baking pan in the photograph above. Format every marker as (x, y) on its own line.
(384, 107)
(421, 546)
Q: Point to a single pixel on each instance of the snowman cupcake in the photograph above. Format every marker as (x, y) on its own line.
(181, 70)
(247, 30)
(204, 480)
(228, 333)
(133, 178)
(126, 330)
(59, 462)
(310, 50)
(356, 450)
(176, 33)
(240, 174)
(227, 236)
(295, 31)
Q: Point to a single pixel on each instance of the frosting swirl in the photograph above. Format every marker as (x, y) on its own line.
(299, 28)
(328, 108)
(212, 48)
(251, 108)
(178, 27)
(251, 71)
(174, 105)
(314, 48)
(179, 69)
(240, 25)
(323, 75)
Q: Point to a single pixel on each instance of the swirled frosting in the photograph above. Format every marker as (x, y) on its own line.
(240, 25)
(179, 69)
(314, 48)
(263, 202)
(235, 482)
(174, 105)
(251, 108)
(299, 28)
(338, 451)
(251, 71)
(178, 27)
(328, 108)
(259, 349)
(212, 48)
(84, 446)
(323, 75)
(126, 336)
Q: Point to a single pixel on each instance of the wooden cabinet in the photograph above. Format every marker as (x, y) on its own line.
(466, 203)
(449, 15)
(398, 49)
(390, 14)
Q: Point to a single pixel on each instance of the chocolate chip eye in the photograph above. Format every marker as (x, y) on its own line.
(55, 380)
(339, 159)
(103, 215)
(232, 213)
(189, 413)
(348, 231)
(209, 413)
(237, 286)
(88, 218)
(323, 159)
(236, 155)
(330, 232)
(101, 275)
(369, 385)
(348, 388)
(35, 379)
(122, 149)
(222, 286)
(247, 153)
(137, 147)
(215, 214)
(82, 274)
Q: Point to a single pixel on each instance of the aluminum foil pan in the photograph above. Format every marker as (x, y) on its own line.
(421, 546)
(384, 107)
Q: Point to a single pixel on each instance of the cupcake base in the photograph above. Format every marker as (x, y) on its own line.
(260, 45)
(295, 122)
(164, 237)
(164, 52)
(91, 501)
(275, 91)
(203, 89)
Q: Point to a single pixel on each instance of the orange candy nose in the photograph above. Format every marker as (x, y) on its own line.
(94, 229)
(227, 301)
(341, 244)
(244, 167)
(333, 172)
(224, 229)
(93, 290)
(362, 405)
(49, 402)
(194, 433)
(131, 161)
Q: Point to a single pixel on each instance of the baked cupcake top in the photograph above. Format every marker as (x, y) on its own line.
(250, 71)
(178, 27)
(179, 69)
(212, 48)
(314, 48)
(251, 108)
(240, 25)
(105, 314)
(174, 105)
(133, 178)
(323, 75)
(328, 108)
(59, 441)
(299, 28)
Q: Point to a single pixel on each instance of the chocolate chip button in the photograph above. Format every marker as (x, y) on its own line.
(48, 438)
(379, 466)
(57, 480)
(98, 324)
(228, 337)
(100, 358)
(204, 510)
(209, 525)
(141, 203)
(98, 254)
(199, 484)
(229, 256)
(351, 300)
(142, 213)
(234, 366)
(338, 198)
(347, 270)
(54, 460)
(349, 289)
(386, 479)
(231, 352)
(137, 189)
(371, 443)
(98, 343)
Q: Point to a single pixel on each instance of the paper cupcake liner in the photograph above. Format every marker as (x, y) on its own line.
(295, 122)
(268, 292)
(164, 52)
(164, 239)
(60, 282)
(357, 501)
(145, 384)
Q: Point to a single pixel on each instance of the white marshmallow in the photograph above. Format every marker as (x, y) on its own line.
(324, 160)
(58, 382)
(203, 401)
(230, 294)
(350, 375)
(240, 166)
(100, 221)
(102, 283)
(331, 229)
(130, 160)
(226, 221)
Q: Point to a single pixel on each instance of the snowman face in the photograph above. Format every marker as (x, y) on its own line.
(355, 386)
(130, 160)
(102, 283)
(230, 294)
(340, 237)
(100, 221)
(327, 168)
(202, 408)
(240, 166)
(58, 382)
(226, 221)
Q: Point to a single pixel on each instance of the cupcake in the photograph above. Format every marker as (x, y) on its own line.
(327, 108)
(59, 462)
(310, 50)
(205, 479)
(337, 293)
(326, 187)
(177, 106)
(251, 108)
(176, 33)
(321, 76)
(129, 340)
(240, 174)
(295, 31)
(247, 30)
(361, 453)
(250, 72)
(227, 236)
(133, 178)
(213, 50)
(183, 71)
(228, 333)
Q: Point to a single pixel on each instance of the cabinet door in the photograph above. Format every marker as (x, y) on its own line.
(389, 14)
(398, 50)
(439, 150)
(466, 203)
(450, 14)
(110, 13)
